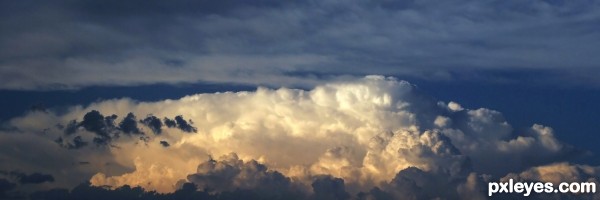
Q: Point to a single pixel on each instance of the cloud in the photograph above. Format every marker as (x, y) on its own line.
(185, 126)
(103, 127)
(81, 44)
(75, 144)
(370, 137)
(230, 174)
(556, 173)
(5, 186)
(10, 180)
(34, 178)
(71, 127)
(129, 125)
(105, 130)
(170, 123)
(153, 123)
(327, 187)
(410, 183)
(164, 143)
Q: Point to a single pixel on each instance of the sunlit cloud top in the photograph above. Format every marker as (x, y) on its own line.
(370, 132)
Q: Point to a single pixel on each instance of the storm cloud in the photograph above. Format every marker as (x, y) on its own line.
(78, 44)
(153, 123)
(129, 125)
(103, 127)
(373, 137)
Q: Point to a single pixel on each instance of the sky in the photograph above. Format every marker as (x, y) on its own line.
(267, 99)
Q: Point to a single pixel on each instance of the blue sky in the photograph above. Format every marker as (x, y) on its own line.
(533, 61)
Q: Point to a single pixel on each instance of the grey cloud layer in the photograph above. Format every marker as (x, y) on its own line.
(82, 43)
(374, 137)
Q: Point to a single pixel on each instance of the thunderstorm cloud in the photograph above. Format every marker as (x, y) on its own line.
(368, 138)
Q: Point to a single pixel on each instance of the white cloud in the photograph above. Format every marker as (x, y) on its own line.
(364, 131)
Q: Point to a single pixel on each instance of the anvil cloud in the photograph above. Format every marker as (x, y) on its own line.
(367, 137)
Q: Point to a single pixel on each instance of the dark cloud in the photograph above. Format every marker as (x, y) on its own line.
(164, 143)
(430, 40)
(180, 123)
(34, 178)
(327, 187)
(417, 184)
(129, 125)
(77, 143)
(188, 191)
(86, 191)
(103, 127)
(95, 122)
(5, 186)
(232, 178)
(71, 127)
(54, 194)
(153, 123)
(184, 125)
(83, 163)
(11, 179)
(231, 173)
(170, 123)
(105, 130)
(375, 194)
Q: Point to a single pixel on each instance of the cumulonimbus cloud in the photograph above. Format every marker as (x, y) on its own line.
(376, 135)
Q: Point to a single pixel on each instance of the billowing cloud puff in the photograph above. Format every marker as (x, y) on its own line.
(375, 135)
(231, 174)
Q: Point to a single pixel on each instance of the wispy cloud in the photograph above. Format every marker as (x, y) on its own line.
(63, 45)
